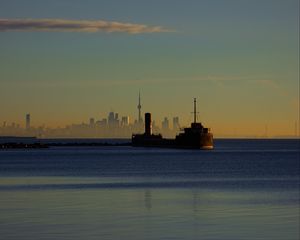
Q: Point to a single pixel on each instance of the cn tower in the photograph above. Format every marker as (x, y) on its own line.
(139, 108)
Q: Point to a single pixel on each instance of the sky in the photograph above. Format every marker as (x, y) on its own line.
(64, 61)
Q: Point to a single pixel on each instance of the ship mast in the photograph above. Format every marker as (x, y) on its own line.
(195, 110)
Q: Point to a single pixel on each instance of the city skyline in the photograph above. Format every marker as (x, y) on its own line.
(66, 61)
(111, 126)
(118, 125)
(114, 125)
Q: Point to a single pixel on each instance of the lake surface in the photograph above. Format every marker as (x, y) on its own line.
(244, 189)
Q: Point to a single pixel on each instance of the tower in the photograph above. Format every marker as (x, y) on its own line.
(139, 109)
(27, 121)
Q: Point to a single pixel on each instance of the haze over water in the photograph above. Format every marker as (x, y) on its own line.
(244, 189)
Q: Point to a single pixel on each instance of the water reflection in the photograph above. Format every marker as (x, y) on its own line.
(148, 199)
(148, 213)
(196, 200)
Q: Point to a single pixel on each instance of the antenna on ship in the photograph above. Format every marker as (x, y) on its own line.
(195, 110)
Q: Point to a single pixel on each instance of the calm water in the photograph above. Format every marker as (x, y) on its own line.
(244, 189)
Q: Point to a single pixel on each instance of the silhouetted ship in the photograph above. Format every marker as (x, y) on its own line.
(195, 137)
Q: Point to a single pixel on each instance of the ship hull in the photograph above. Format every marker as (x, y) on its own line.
(197, 141)
(202, 141)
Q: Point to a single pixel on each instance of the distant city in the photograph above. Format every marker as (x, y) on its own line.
(114, 126)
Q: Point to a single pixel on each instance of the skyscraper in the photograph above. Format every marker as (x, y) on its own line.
(165, 124)
(111, 119)
(125, 121)
(92, 122)
(176, 125)
(27, 121)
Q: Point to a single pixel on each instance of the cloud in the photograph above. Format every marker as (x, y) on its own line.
(63, 25)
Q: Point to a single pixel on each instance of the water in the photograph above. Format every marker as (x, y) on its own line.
(244, 189)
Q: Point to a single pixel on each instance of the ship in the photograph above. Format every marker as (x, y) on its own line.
(194, 137)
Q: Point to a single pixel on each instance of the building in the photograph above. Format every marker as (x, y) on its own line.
(92, 122)
(102, 123)
(27, 121)
(176, 125)
(113, 120)
(125, 121)
(165, 124)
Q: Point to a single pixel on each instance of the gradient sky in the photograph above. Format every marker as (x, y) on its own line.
(239, 58)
